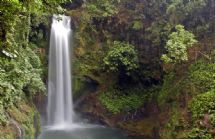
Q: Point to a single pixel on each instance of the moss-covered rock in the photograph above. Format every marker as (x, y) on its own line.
(20, 116)
(7, 132)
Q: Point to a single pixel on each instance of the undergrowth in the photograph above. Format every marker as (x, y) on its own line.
(117, 101)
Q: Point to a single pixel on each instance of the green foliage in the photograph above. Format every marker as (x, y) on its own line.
(33, 58)
(19, 65)
(197, 133)
(174, 121)
(121, 57)
(15, 18)
(89, 64)
(170, 130)
(170, 88)
(212, 119)
(164, 93)
(116, 104)
(137, 25)
(117, 101)
(158, 33)
(201, 74)
(3, 117)
(198, 83)
(25, 114)
(6, 136)
(178, 10)
(101, 7)
(19, 74)
(203, 104)
(151, 23)
(177, 45)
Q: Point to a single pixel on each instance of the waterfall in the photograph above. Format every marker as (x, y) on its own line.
(60, 106)
(61, 124)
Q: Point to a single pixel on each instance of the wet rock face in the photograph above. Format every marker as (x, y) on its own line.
(152, 109)
(91, 118)
(146, 128)
(145, 122)
(40, 101)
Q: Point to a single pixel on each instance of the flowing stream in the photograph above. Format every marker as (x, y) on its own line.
(61, 123)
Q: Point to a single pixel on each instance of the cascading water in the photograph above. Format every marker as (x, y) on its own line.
(60, 112)
(60, 106)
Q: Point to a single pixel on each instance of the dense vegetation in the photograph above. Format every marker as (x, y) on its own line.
(21, 76)
(174, 61)
(140, 52)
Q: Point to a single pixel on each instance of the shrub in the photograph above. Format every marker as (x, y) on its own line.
(177, 45)
(197, 133)
(19, 76)
(202, 104)
(202, 75)
(121, 57)
(117, 101)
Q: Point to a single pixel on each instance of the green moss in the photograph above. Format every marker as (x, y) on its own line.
(7, 132)
(7, 137)
(165, 92)
(170, 89)
(24, 114)
(77, 84)
(170, 128)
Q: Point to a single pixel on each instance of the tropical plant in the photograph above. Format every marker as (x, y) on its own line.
(177, 45)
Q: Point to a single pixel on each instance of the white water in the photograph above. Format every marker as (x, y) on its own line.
(60, 106)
